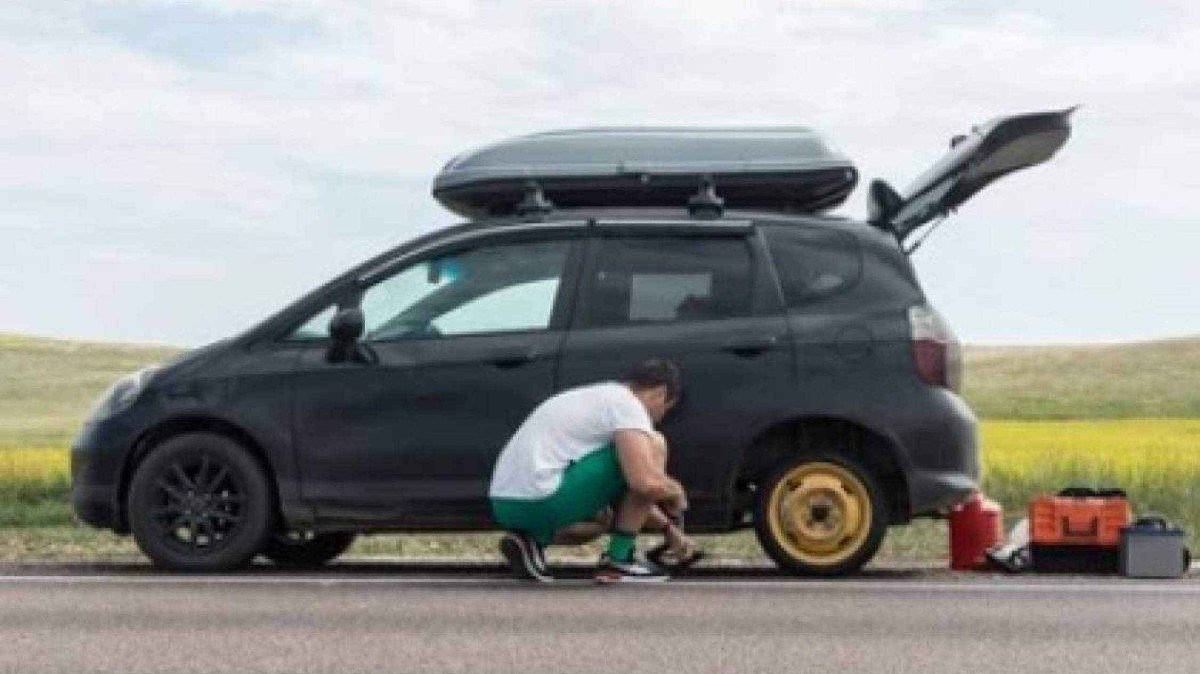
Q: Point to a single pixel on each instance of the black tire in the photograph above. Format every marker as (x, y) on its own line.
(305, 550)
(853, 548)
(200, 502)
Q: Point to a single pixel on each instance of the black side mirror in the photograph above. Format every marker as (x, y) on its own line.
(346, 326)
(345, 329)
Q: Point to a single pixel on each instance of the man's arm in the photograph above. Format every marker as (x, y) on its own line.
(643, 469)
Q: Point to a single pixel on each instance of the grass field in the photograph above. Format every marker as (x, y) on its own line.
(1125, 415)
(48, 385)
(1143, 379)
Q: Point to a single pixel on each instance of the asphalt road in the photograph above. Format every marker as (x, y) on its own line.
(474, 620)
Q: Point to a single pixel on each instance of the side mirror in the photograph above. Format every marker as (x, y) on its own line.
(346, 326)
(345, 329)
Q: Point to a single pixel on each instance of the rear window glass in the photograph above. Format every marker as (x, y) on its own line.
(813, 263)
(667, 279)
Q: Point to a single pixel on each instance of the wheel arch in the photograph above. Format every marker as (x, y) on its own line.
(795, 435)
(191, 423)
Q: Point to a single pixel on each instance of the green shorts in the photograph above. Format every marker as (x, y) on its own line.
(588, 485)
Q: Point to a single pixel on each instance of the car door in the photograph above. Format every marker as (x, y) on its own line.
(703, 297)
(461, 344)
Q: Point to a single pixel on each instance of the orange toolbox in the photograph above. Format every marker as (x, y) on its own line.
(1079, 516)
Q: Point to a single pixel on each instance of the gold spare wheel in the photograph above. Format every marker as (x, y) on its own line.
(820, 513)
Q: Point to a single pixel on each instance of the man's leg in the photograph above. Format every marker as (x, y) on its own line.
(527, 535)
(656, 519)
(581, 509)
(635, 512)
(585, 532)
(632, 515)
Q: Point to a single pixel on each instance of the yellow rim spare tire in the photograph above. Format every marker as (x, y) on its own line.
(821, 515)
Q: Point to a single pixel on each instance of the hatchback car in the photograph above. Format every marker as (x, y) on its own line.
(821, 388)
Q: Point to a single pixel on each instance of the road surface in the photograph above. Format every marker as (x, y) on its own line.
(473, 620)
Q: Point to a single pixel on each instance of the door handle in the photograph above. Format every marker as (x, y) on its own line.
(508, 359)
(748, 347)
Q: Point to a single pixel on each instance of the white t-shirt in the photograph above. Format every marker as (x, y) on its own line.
(563, 429)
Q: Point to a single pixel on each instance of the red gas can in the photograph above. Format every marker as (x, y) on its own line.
(975, 525)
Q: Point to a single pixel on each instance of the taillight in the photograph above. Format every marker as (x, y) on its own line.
(937, 353)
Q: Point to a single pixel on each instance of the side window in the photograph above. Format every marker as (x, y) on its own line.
(641, 280)
(315, 328)
(813, 263)
(497, 288)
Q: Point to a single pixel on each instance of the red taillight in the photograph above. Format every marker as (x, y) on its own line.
(937, 354)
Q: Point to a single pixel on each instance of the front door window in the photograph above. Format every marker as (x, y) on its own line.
(490, 289)
(500, 288)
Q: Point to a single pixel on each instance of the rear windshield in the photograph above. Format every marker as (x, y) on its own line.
(813, 263)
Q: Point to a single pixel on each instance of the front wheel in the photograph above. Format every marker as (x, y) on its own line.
(200, 502)
(822, 515)
(306, 549)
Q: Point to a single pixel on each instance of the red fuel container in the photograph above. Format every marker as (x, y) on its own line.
(976, 525)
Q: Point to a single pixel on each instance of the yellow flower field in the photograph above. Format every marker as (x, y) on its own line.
(1156, 460)
(30, 469)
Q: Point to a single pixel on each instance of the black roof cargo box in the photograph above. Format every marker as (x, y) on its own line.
(780, 169)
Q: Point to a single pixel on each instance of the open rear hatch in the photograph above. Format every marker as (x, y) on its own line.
(782, 169)
(975, 160)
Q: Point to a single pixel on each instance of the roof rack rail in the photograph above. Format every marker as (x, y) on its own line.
(705, 203)
(534, 203)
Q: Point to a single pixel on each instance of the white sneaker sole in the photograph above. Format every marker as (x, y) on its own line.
(617, 578)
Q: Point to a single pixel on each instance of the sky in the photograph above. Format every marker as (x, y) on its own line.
(175, 171)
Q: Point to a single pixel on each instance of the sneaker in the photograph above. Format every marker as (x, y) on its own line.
(524, 557)
(635, 571)
(539, 556)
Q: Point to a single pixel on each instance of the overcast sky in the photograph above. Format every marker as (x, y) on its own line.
(172, 172)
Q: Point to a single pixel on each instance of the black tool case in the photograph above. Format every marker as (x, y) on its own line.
(788, 169)
(1152, 548)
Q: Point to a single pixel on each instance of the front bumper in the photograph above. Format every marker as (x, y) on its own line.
(97, 455)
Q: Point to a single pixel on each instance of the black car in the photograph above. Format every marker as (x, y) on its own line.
(820, 401)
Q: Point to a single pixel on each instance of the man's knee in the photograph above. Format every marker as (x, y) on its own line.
(660, 445)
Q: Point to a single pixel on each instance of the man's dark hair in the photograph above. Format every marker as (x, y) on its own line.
(653, 373)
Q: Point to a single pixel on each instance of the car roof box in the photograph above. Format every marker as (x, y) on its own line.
(788, 169)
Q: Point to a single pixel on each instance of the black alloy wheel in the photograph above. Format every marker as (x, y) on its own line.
(200, 502)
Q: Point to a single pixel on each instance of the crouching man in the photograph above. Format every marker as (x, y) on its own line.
(588, 460)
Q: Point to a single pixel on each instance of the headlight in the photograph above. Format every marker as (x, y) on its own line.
(122, 394)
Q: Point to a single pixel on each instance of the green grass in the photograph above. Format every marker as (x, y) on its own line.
(48, 385)
(1145, 379)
